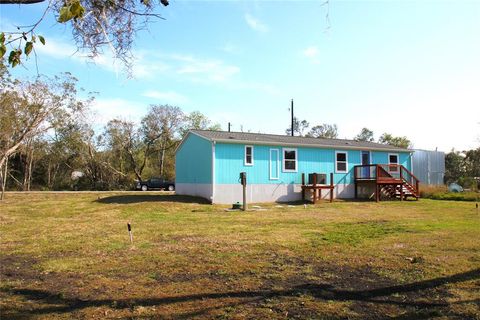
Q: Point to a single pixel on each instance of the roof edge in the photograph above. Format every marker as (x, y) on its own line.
(185, 138)
(236, 141)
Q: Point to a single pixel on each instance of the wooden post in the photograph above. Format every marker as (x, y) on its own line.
(244, 197)
(401, 186)
(303, 186)
(418, 189)
(377, 193)
(331, 187)
(243, 181)
(314, 188)
(129, 227)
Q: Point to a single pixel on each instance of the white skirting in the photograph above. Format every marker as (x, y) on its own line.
(194, 189)
(257, 193)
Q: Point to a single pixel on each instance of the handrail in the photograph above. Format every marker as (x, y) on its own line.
(380, 169)
(386, 172)
(413, 176)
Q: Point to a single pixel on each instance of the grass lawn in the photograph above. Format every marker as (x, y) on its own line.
(68, 256)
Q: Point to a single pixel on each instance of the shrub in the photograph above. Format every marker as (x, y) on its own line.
(441, 193)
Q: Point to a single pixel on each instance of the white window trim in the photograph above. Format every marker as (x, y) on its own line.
(346, 162)
(389, 163)
(278, 165)
(283, 159)
(245, 156)
(393, 154)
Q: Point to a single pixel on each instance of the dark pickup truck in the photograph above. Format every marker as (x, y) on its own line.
(155, 183)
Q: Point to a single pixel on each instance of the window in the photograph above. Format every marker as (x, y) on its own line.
(290, 160)
(393, 162)
(248, 156)
(341, 162)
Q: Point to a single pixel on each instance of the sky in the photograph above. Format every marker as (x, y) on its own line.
(409, 68)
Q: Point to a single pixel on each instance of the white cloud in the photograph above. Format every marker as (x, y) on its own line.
(60, 49)
(312, 53)
(166, 97)
(255, 24)
(261, 87)
(204, 70)
(55, 48)
(229, 48)
(148, 65)
(105, 110)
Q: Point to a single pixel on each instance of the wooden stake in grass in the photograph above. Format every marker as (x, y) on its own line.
(130, 232)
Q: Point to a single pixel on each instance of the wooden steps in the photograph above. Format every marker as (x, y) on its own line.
(391, 181)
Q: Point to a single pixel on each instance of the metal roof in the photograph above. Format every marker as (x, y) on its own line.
(284, 140)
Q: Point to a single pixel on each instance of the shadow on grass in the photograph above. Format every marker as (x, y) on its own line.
(138, 198)
(60, 304)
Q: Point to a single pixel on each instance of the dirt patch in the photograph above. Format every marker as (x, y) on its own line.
(363, 292)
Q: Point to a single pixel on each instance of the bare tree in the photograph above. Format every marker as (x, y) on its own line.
(94, 24)
(299, 127)
(30, 109)
(160, 127)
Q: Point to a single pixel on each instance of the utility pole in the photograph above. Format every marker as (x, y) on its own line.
(291, 109)
(229, 127)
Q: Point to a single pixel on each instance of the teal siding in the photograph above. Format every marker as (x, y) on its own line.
(229, 162)
(193, 161)
(382, 158)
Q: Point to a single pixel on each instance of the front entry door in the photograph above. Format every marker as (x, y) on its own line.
(365, 161)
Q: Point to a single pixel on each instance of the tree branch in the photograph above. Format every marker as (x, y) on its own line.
(20, 1)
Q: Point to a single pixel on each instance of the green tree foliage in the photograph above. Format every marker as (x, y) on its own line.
(365, 135)
(463, 168)
(197, 120)
(30, 109)
(47, 142)
(401, 142)
(472, 162)
(147, 149)
(327, 131)
(454, 167)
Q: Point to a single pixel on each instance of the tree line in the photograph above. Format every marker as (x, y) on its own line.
(463, 168)
(330, 131)
(47, 141)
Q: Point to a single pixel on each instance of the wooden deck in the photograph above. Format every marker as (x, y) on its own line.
(317, 188)
(393, 181)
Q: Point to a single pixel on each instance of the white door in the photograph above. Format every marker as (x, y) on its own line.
(274, 164)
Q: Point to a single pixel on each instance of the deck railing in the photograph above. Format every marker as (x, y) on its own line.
(385, 172)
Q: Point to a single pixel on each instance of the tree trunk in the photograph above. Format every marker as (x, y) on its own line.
(49, 174)
(3, 176)
(30, 165)
(27, 168)
(162, 162)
